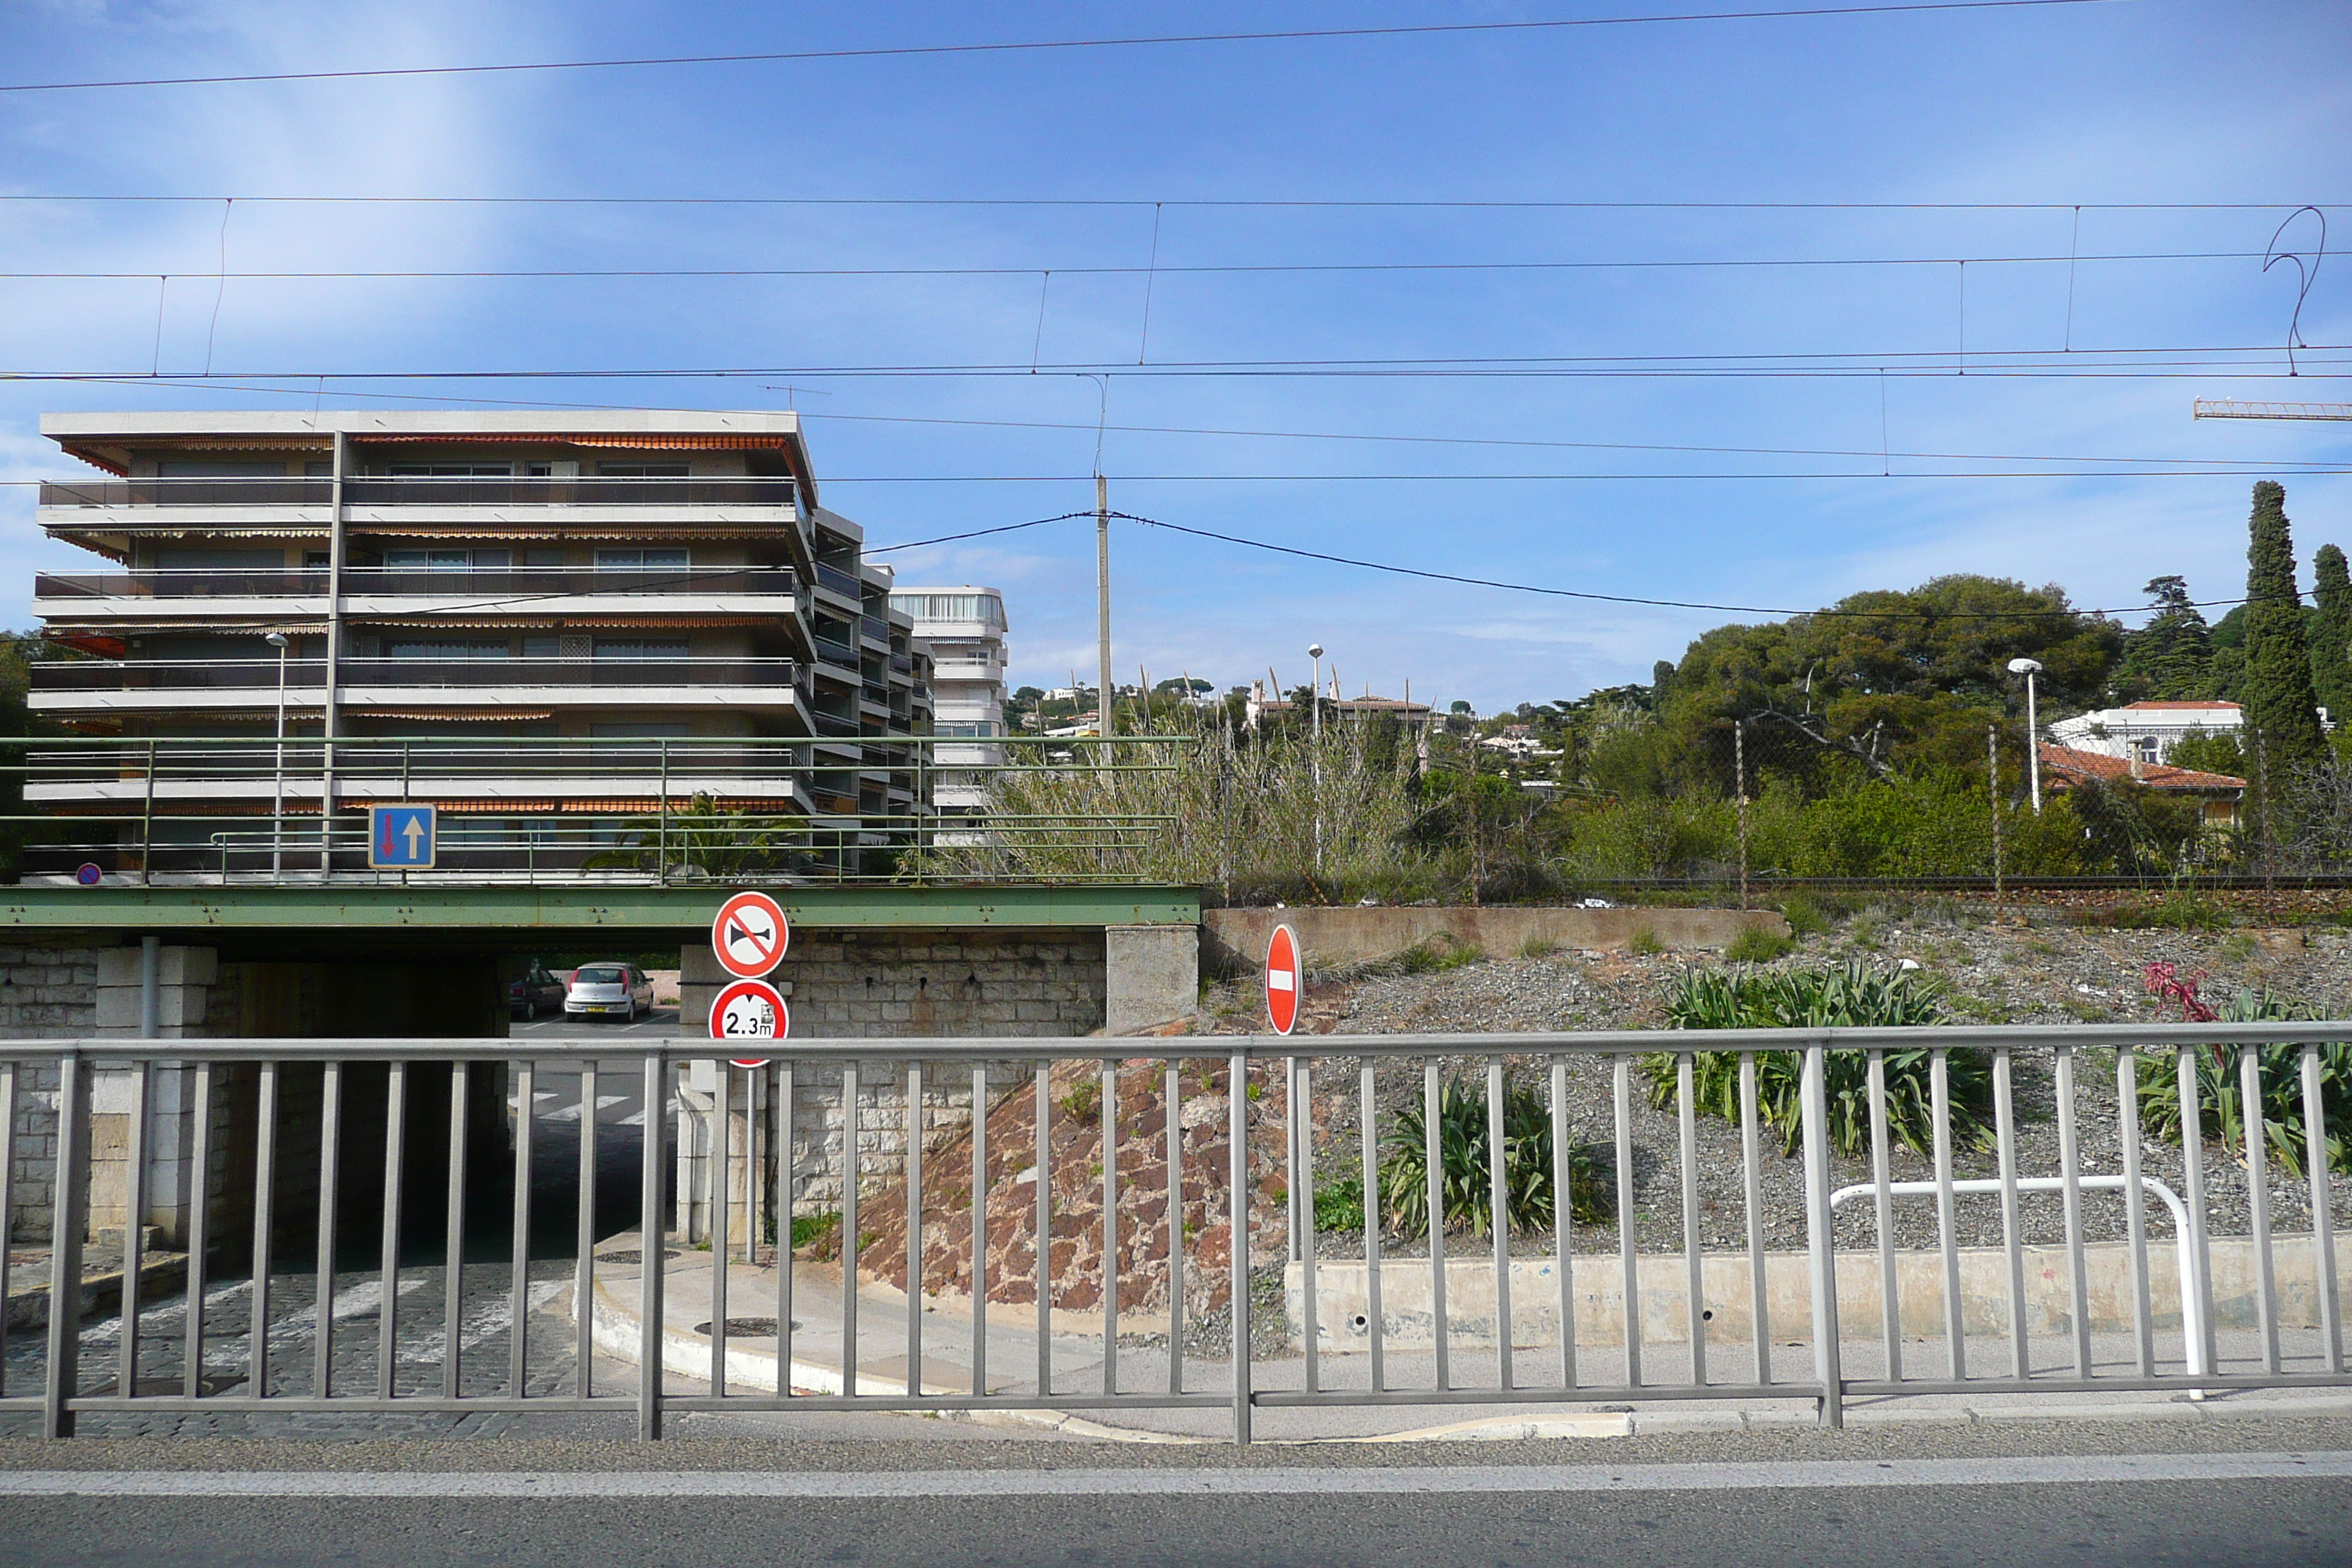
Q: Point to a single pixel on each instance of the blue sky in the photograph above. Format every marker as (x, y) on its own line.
(2153, 101)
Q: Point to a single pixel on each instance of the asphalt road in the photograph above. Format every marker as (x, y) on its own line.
(660, 1021)
(2230, 1492)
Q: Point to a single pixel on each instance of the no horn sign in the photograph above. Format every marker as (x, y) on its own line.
(750, 935)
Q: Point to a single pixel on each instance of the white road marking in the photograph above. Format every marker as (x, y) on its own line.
(1263, 1482)
(571, 1112)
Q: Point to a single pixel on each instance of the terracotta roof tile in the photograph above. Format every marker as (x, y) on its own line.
(2066, 764)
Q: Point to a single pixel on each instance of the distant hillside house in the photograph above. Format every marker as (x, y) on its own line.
(2063, 767)
(2144, 732)
(1335, 708)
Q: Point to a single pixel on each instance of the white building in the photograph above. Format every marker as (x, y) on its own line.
(2144, 732)
(965, 628)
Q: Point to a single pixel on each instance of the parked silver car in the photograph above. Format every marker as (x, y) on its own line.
(608, 988)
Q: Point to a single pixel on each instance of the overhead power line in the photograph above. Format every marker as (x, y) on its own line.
(2194, 465)
(1508, 586)
(1090, 426)
(1042, 45)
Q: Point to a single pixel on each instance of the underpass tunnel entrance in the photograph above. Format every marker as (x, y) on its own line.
(336, 991)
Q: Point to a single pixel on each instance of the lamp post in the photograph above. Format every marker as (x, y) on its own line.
(278, 812)
(2029, 667)
(1314, 747)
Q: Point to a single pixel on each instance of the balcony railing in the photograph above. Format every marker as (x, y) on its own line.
(553, 809)
(169, 583)
(261, 674)
(840, 581)
(187, 493)
(382, 489)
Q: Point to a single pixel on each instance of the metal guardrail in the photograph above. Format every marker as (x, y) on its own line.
(379, 489)
(541, 808)
(425, 674)
(361, 581)
(1263, 1087)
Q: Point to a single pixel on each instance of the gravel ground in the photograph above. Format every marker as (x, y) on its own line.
(2007, 973)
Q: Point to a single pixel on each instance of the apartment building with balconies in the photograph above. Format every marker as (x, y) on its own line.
(548, 623)
(965, 628)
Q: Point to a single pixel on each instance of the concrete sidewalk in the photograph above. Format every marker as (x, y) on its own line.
(819, 1355)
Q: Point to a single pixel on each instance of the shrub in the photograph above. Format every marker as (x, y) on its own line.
(2220, 1099)
(1433, 955)
(2173, 911)
(1464, 1178)
(1852, 996)
(1758, 945)
(1340, 1205)
(1079, 1103)
(1805, 917)
(810, 1229)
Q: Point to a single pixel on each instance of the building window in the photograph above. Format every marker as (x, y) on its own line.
(641, 470)
(439, 648)
(448, 559)
(980, 729)
(450, 470)
(641, 648)
(665, 558)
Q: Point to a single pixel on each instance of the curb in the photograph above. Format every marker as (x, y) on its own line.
(615, 1329)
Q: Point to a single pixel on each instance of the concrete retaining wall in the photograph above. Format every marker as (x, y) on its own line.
(1342, 1299)
(1236, 938)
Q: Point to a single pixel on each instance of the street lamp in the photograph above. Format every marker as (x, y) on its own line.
(1314, 750)
(277, 814)
(2029, 667)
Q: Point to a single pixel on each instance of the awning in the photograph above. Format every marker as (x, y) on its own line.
(445, 715)
(648, 533)
(539, 623)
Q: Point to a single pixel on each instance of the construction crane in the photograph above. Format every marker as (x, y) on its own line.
(2228, 408)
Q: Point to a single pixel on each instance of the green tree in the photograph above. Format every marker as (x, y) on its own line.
(2172, 657)
(2281, 713)
(1888, 679)
(2331, 630)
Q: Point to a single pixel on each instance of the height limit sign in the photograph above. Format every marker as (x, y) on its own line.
(750, 935)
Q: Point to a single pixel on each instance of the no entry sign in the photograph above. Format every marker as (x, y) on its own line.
(750, 935)
(750, 1010)
(1282, 980)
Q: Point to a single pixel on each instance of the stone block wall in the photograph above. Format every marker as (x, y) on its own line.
(45, 992)
(861, 985)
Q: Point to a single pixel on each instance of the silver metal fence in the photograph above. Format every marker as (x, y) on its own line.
(1673, 1306)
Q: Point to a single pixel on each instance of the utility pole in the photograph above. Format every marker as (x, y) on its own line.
(1102, 611)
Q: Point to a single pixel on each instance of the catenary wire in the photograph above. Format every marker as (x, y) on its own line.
(1500, 203)
(2086, 364)
(1046, 44)
(149, 275)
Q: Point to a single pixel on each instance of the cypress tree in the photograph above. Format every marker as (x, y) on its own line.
(2282, 715)
(2331, 632)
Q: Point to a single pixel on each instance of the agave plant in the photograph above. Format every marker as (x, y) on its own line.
(1464, 1177)
(1850, 995)
(2221, 1097)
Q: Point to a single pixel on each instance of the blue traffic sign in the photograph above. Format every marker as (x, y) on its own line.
(401, 837)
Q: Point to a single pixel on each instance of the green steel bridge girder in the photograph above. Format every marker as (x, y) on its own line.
(480, 912)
